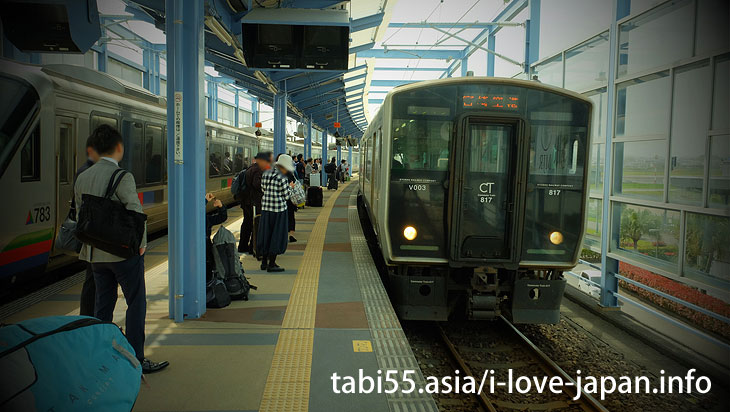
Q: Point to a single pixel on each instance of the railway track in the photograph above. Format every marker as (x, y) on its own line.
(515, 352)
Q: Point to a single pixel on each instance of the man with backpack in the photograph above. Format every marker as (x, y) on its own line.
(110, 270)
(250, 194)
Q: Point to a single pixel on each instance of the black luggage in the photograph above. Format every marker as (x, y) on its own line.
(216, 295)
(332, 182)
(229, 266)
(314, 196)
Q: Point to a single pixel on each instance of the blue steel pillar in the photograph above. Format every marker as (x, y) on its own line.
(491, 42)
(308, 140)
(280, 121)
(101, 55)
(532, 35)
(325, 159)
(464, 66)
(610, 223)
(186, 158)
(235, 115)
(151, 76)
(339, 155)
(212, 100)
(254, 111)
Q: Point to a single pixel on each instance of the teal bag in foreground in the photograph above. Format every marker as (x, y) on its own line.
(67, 363)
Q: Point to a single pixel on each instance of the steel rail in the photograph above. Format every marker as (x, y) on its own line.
(481, 397)
(586, 401)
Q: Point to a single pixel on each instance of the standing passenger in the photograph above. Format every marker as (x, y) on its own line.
(88, 290)
(251, 199)
(111, 271)
(271, 239)
(308, 169)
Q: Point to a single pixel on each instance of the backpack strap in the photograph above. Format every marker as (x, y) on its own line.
(113, 184)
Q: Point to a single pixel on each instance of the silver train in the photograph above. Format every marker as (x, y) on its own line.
(47, 114)
(476, 191)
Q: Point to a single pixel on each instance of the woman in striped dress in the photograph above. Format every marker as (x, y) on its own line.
(273, 231)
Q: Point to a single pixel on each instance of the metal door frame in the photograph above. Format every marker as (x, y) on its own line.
(71, 122)
(516, 184)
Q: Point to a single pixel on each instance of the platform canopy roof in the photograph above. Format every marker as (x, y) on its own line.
(432, 39)
(392, 42)
(324, 96)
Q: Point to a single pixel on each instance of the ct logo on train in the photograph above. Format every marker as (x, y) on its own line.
(486, 195)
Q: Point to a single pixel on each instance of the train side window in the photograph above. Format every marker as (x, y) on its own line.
(214, 159)
(133, 135)
(97, 120)
(246, 157)
(30, 158)
(227, 160)
(153, 154)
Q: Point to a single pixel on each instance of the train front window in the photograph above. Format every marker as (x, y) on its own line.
(421, 143)
(19, 103)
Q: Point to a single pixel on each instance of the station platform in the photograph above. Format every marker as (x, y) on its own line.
(326, 313)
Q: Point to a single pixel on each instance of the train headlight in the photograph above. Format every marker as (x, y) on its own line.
(410, 232)
(556, 238)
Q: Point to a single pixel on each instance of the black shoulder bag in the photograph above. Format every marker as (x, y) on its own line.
(107, 225)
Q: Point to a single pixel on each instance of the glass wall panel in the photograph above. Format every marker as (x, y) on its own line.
(713, 31)
(600, 114)
(707, 251)
(648, 234)
(593, 219)
(656, 38)
(550, 71)
(596, 169)
(639, 169)
(642, 106)
(719, 196)
(586, 65)
(721, 98)
(690, 123)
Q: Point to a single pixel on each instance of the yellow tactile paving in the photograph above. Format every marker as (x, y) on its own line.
(287, 386)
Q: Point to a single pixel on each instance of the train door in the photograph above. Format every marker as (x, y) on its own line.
(483, 190)
(65, 165)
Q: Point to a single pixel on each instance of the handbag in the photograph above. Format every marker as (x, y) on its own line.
(107, 225)
(66, 241)
(297, 194)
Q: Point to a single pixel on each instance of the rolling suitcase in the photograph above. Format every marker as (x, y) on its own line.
(314, 196)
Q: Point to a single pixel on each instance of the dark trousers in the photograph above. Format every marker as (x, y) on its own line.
(129, 274)
(291, 208)
(244, 243)
(88, 293)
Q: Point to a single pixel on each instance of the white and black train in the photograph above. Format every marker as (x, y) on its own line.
(476, 191)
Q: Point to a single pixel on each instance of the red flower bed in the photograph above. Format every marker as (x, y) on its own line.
(681, 291)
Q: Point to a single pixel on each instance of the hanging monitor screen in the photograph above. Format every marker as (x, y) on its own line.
(491, 101)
